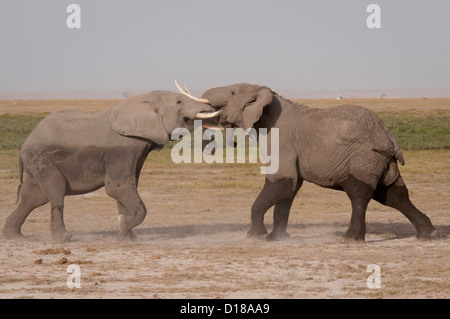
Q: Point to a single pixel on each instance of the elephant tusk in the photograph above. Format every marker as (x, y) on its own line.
(205, 101)
(209, 115)
(213, 127)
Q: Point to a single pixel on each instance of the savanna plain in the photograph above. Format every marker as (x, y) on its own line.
(193, 241)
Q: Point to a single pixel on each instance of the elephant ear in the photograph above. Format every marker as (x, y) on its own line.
(253, 111)
(139, 118)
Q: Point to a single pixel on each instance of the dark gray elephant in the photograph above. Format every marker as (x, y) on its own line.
(346, 148)
(72, 153)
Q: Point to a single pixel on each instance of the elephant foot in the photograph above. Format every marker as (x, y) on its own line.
(12, 234)
(61, 237)
(428, 234)
(130, 236)
(275, 236)
(351, 237)
(256, 231)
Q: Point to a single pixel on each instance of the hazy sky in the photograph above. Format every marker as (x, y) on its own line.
(289, 45)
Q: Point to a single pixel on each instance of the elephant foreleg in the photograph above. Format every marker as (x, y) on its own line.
(127, 220)
(280, 192)
(281, 216)
(280, 219)
(135, 216)
(132, 210)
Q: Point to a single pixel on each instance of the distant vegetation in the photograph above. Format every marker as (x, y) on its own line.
(15, 129)
(425, 132)
(414, 131)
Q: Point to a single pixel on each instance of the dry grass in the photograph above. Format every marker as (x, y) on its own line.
(388, 104)
(27, 107)
(39, 107)
(192, 243)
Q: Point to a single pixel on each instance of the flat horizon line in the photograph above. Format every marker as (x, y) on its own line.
(291, 94)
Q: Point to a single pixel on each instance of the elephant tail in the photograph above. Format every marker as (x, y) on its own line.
(394, 149)
(20, 178)
(395, 154)
(390, 146)
(398, 154)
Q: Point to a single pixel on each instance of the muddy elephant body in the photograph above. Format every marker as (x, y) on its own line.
(346, 148)
(72, 153)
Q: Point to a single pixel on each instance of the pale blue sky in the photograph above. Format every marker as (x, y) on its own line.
(288, 45)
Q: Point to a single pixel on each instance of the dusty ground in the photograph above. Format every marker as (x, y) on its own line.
(193, 245)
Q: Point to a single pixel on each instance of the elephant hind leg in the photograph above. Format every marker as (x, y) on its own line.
(30, 197)
(360, 195)
(397, 196)
(55, 186)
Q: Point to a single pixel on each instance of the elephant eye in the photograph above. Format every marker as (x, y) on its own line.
(232, 93)
(179, 102)
(252, 101)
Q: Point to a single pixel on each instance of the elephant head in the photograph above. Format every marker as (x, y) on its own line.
(241, 104)
(154, 115)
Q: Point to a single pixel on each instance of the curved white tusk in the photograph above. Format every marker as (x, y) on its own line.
(209, 115)
(179, 88)
(213, 127)
(205, 101)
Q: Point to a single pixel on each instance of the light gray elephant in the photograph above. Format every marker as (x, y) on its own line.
(72, 153)
(346, 148)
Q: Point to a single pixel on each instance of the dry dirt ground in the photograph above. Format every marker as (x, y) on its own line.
(193, 241)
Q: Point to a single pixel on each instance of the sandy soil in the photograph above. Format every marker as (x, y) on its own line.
(192, 243)
(179, 255)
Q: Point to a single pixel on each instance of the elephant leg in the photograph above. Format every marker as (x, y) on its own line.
(280, 220)
(123, 213)
(132, 210)
(360, 195)
(397, 196)
(31, 196)
(281, 216)
(271, 194)
(135, 215)
(55, 186)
